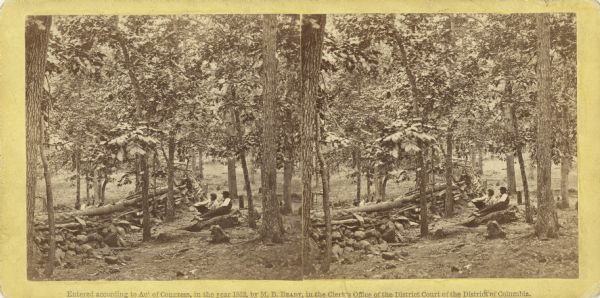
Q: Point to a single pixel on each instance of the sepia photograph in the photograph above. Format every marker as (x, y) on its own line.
(301, 146)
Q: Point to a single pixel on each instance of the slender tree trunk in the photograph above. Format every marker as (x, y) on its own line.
(288, 165)
(565, 162)
(96, 185)
(357, 163)
(288, 172)
(50, 210)
(479, 160)
(193, 161)
(103, 189)
(200, 163)
(449, 192)
(87, 188)
(547, 220)
(272, 224)
(137, 175)
(78, 178)
(248, 185)
(154, 176)
(519, 149)
(511, 179)
(377, 196)
(474, 164)
(231, 178)
(383, 187)
(313, 28)
(421, 173)
(422, 181)
(170, 205)
(369, 183)
(146, 225)
(36, 44)
(326, 207)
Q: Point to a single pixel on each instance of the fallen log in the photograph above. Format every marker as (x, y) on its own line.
(502, 216)
(131, 200)
(118, 206)
(225, 221)
(401, 202)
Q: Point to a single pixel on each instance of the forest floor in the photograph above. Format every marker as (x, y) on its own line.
(178, 254)
(466, 253)
(460, 253)
(189, 255)
(463, 252)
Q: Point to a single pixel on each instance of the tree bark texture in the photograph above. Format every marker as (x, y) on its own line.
(565, 161)
(326, 206)
(146, 225)
(170, 205)
(78, 178)
(547, 221)
(449, 203)
(36, 44)
(272, 225)
(312, 32)
(50, 211)
(357, 163)
(288, 165)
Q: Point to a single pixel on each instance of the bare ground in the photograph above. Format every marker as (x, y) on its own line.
(466, 253)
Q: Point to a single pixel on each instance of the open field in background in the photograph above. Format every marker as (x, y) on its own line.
(342, 186)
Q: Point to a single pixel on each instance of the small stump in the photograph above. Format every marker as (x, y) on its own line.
(217, 235)
(494, 230)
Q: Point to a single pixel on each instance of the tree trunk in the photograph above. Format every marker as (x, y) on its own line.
(420, 173)
(242, 154)
(357, 163)
(474, 164)
(377, 195)
(565, 162)
(146, 225)
(288, 172)
(200, 163)
(383, 187)
(369, 183)
(96, 184)
(449, 203)
(103, 189)
(50, 211)
(511, 179)
(326, 206)
(288, 165)
(192, 155)
(272, 224)
(313, 28)
(154, 176)
(479, 160)
(87, 188)
(231, 178)
(248, 185)
(547, 220)
(170, 205)
(422, 181)
(78, 178)
(519, 148)
(137, 175)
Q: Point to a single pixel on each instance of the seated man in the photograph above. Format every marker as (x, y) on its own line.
(207, 205)
(484, 201)
(218, 207)
(498, 204)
